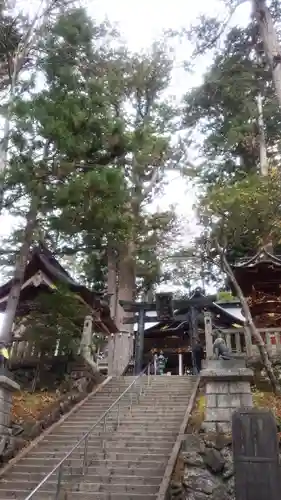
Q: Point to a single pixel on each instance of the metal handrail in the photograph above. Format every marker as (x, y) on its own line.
(84, 439)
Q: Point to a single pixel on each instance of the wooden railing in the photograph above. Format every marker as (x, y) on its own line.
(239, 341)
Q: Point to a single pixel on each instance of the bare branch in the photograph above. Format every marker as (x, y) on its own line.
(210, 44)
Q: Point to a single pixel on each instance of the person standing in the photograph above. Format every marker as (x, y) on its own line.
(155, 364)
(198, 355)
(161, 362)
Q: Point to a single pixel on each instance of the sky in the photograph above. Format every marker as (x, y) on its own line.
(141, 23)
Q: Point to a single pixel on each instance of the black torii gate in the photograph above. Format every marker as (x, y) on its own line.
(165, 306)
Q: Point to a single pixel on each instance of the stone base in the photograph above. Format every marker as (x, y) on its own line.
(204, 470)
(227, 389)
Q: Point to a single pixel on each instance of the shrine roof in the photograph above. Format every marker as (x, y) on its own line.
(262, 272)
(41, 259)
(230, 311)
(261, 258)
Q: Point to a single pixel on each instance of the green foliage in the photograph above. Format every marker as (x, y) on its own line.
(224, 109)
(63, 135)
(225, 297)
(55, 319)
(246, 214)
(10, 37)
(92, 146)
(236, 206)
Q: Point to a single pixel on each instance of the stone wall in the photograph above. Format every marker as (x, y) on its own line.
(222, 398)
(204, 469)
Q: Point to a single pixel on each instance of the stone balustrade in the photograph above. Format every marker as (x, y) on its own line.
(240, 342)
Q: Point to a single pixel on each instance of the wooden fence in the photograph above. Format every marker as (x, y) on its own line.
(120, 349)
(24, 349)
(26, 352)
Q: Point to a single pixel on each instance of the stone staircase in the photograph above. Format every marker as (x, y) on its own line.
(128, 461)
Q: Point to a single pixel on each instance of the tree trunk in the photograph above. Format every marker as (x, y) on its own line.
(262, 139)
(270, 42)
(112, 284)
(18, 279)
(250, 324)
(127, 283)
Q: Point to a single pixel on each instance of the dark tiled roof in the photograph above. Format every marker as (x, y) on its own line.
(261, 257)
(41, 259)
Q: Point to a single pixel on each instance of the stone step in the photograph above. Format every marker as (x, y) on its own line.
(103, 469)
(97, 450)
(90, 415)
(158, 443)
(167, 411)
(107, 477)
(129, 427)
(128, 415)
(135, 433)
(87, 486)
(133, 462)
(123, 455)
(81, 495)
(112, 416)
(131, 420)
(49, 464)
(143, 424)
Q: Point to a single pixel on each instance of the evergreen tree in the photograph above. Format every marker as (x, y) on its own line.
(224, 109)
(235, 202)
(89, 151)
(61, 143)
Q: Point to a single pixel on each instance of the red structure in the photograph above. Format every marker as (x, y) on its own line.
(260, 280)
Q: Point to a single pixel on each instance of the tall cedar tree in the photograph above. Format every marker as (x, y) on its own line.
(61, 160)
(89, 147)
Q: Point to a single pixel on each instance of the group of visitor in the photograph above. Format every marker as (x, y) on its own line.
(159, 363)
(220, 351)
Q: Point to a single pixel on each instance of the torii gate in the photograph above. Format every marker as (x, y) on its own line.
(165, 306)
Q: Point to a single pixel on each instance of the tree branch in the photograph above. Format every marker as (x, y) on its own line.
(249, 320)
(223, 27)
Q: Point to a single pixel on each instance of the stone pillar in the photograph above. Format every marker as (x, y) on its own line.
(208, 334)
(227, 387)
(7, 387)
(180, 364)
